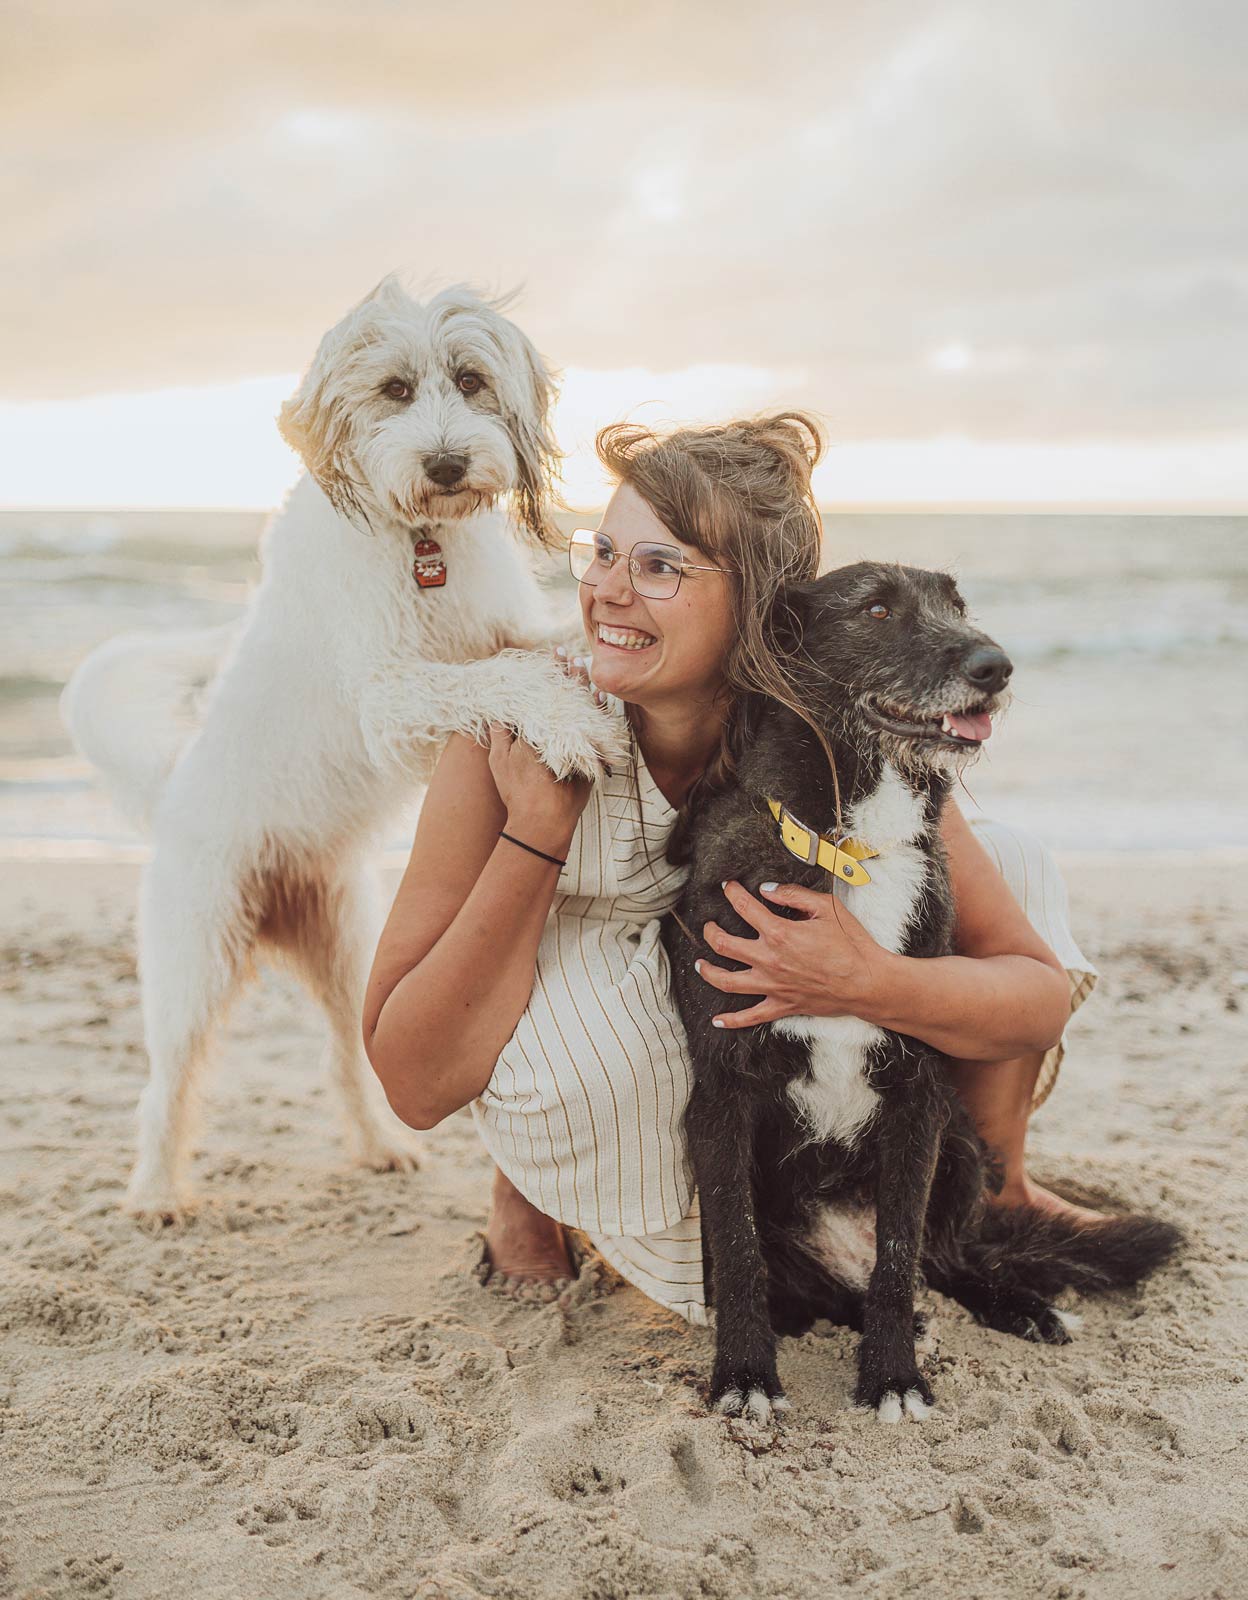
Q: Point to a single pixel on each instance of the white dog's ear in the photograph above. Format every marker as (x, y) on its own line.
(529, 423)
(389, 293)
(316, 420)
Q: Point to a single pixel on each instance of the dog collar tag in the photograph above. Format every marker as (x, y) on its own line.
(428, 564)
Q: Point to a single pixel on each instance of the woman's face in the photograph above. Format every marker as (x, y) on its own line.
(675, 648)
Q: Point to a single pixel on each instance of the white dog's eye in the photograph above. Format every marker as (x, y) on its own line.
(398, 390)
(470, 382)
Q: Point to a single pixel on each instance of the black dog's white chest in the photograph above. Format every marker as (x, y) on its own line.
(835, 1101)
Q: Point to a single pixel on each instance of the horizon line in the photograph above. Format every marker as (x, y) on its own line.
(1157, 508)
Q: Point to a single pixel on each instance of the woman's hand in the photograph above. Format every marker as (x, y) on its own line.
(1005, 994)
(824, 965)
(540, 807)
(577, 667)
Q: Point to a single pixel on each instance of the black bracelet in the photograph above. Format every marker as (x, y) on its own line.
(531, 848)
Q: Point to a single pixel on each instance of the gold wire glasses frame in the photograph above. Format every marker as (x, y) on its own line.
(659, 566)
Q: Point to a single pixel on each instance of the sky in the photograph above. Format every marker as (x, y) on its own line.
(1000, 248)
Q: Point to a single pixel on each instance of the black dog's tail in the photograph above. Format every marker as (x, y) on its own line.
(1048, 1253)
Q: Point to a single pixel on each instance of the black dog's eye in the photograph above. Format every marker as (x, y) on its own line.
(879, 611)
(397, 389)
(470, 382)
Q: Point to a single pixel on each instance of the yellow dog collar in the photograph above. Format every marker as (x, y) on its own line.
(842, 857)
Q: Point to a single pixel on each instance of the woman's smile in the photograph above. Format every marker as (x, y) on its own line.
(624, 638)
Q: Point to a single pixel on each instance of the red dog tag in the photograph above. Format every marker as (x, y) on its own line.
(429, 565)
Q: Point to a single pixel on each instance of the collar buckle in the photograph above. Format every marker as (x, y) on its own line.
(842, 857)
(812, 836)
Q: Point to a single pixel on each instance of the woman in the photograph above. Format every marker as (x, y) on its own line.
(520, 970)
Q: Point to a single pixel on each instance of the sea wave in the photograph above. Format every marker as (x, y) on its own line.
(1128, 635)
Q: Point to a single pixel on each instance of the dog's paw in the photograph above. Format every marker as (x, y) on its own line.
(385, 1152)
(752, 1405)
(752, 1396)
(1029, 1316)
(580, 738)
(895, 1404)
(1051, 1326)
(157, 1206)
(896, 1394)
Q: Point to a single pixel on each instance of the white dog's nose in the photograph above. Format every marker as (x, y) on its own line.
(445, 469)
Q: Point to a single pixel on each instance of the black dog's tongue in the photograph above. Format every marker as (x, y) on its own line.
(974, 725)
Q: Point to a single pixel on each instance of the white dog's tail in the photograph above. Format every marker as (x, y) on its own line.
(134, 702)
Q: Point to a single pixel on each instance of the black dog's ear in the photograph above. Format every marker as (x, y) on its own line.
(790, 612)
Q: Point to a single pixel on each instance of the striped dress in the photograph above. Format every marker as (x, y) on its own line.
(583, 1110)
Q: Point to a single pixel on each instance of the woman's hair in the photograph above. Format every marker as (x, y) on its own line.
(741, 492)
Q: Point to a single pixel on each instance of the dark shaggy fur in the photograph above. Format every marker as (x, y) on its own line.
(880, 652)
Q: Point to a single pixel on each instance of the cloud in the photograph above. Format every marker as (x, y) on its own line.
(835, 191)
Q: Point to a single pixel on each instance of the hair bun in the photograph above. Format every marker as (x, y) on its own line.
(795, 438)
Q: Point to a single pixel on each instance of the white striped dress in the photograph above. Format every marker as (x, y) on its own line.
(583, 1109)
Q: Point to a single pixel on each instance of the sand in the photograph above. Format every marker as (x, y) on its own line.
(305, 1394)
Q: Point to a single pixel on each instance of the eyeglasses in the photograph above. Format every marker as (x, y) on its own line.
(654, 570)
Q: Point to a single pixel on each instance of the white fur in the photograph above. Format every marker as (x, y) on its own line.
(756, 1406)
(326, 708)
(843, 1238)
(889, 1409)
(893, 1406)
(837, 1102)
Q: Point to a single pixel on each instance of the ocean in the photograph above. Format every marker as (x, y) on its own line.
(1129, 636)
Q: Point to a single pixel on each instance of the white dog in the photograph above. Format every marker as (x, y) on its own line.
(396, 606)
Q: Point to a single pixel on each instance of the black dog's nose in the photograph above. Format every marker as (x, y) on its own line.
(445, 469)
(987, 668)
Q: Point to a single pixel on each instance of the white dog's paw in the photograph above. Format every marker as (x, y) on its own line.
(580, 737)
(381, 1150)
(157, 1205)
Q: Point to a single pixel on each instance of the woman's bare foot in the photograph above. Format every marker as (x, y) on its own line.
(526, 1252)
(1022, 1191)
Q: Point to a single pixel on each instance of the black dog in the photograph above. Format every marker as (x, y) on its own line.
(800, 1130)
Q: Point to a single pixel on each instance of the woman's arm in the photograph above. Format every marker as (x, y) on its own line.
(1004, 994)
(454, 967)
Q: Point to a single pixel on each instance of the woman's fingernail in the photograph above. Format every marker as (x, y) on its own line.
(560, 651)
(716, 1023)
(768, 888)
(723, 883)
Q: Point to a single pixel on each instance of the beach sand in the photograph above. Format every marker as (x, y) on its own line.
(304, 1393)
